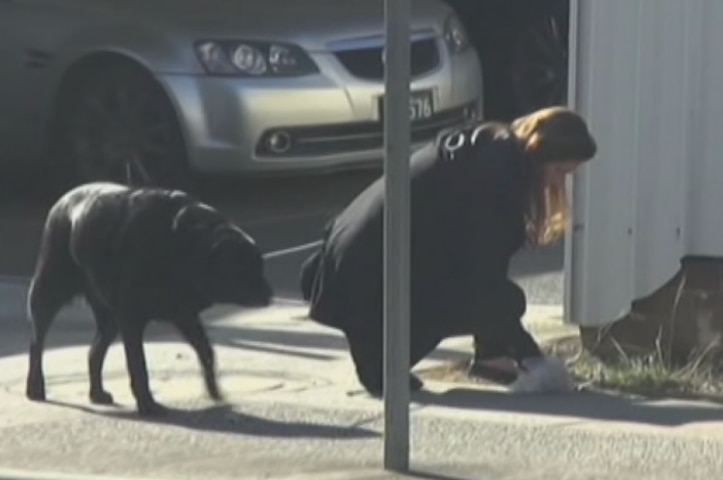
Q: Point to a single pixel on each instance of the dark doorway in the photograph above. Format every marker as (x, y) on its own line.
(523, 47)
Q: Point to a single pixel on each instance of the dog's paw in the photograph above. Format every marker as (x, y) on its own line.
(152, 409)
(101, 398)
(216, 395)
(35, 392)
(213, 391)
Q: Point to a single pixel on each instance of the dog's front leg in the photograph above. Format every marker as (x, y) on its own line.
(132, 331)
(193, 332)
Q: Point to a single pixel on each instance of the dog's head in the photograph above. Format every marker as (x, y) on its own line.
(235, 270)
(227, 265)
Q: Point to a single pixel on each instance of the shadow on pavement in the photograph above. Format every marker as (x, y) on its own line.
(594, 406)
(69, 332)
(223, 418)
(279, 350)
(239, 336)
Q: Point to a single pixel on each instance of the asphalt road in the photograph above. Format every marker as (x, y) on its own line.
(279, 212)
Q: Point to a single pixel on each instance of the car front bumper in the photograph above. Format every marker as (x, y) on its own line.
(325, 121)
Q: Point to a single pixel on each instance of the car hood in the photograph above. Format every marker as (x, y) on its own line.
(313, 24)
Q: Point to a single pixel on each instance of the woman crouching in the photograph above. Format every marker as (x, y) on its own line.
(478, 195)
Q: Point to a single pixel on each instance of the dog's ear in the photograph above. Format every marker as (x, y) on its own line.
(194, 217)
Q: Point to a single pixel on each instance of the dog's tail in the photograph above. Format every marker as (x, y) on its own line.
(56, 279)
(309, 270)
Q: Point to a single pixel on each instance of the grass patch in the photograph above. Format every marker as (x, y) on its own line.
(652, 375)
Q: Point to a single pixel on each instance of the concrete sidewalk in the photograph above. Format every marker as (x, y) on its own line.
(293, 409)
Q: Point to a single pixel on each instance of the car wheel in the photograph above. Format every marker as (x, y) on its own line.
(117, 124)
(540, 62)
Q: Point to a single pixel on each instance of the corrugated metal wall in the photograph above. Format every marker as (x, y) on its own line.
(648, 75)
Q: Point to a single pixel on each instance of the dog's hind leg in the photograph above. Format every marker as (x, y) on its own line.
(193, 332)
(105, 333)
(55, 283)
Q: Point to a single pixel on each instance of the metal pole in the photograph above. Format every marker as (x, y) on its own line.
(396, 235)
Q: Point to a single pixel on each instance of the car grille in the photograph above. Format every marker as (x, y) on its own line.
(367, 63)
(356, 137)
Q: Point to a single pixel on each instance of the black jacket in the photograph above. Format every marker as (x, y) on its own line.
(467, 220)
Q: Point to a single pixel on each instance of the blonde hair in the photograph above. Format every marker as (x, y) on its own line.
(550, 135)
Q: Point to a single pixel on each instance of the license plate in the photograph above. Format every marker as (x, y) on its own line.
(421, 106)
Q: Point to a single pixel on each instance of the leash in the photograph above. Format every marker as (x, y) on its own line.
(290, 250)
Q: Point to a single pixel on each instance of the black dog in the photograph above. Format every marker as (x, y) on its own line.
(136, 255)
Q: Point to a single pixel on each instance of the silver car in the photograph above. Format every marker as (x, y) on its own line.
(150, 90)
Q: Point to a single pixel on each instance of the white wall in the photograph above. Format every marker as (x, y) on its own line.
(648, 76)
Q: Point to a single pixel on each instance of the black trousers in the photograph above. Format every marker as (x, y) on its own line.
(496, 324)
(493, 315)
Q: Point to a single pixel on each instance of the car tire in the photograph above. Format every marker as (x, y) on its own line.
(117, 124)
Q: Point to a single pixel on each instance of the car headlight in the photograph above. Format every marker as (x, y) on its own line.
(254, 59)
(455, 34)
